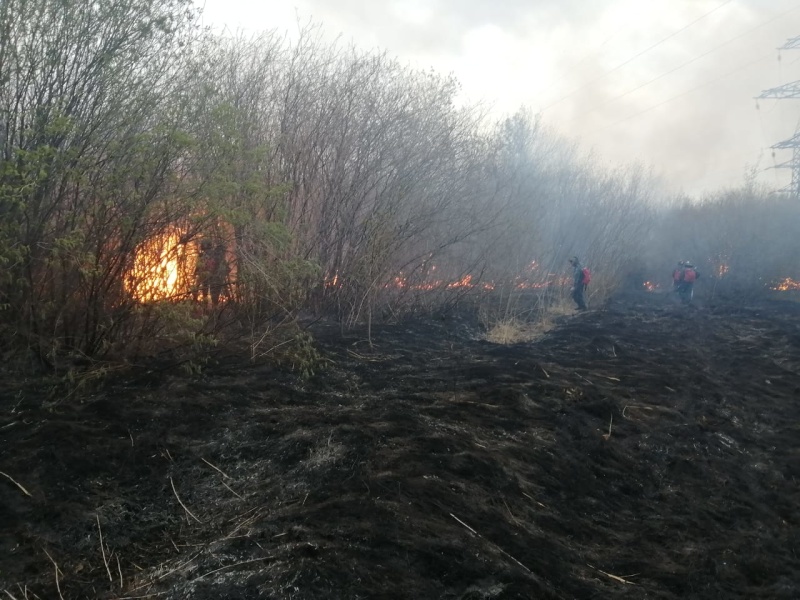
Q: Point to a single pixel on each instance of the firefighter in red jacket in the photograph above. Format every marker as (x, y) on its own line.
(580, 279)
(676, 276)
(683, 280)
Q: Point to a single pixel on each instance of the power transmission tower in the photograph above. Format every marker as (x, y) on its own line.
(791, 91)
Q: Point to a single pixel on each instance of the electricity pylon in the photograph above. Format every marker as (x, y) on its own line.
(792, 91)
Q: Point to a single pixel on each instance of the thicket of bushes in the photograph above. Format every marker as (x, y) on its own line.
(337, 180)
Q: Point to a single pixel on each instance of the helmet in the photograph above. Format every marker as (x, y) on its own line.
(681, 263)
(574, 260)
(689, 264)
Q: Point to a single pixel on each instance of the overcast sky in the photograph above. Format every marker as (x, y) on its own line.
(667, 82)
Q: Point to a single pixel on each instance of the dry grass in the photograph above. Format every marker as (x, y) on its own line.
(513, 330)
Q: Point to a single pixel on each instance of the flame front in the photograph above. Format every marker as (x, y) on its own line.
(161, 268)
(787, 284)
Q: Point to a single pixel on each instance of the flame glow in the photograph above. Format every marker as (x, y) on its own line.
(650, 286)
(787, 284)
(161, 268)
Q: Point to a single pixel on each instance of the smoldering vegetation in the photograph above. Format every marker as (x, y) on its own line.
(334, 181)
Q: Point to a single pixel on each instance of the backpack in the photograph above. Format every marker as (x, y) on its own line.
(689, 275)
(587, 276)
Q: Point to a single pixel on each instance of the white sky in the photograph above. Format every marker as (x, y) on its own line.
(686, 106)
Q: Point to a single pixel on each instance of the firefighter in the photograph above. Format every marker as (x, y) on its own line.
(685, 284)
(676, 276)
(580, 279)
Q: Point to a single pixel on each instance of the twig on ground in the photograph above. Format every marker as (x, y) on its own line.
(607, 436)
(464, 524)
(180, 502)
(103, 550)
(25, 592)
(239, 564)
(492, 543)
(608, 377)
(148, 595)
(230, 489)
(247, 521)
(55, 564)
(160, 577)
(627, 406)
(24, 491)
(509, 510)
(533, 499)
(119, 568)
(217, 469)
(10, 595)
(546, 374)
(614, 577)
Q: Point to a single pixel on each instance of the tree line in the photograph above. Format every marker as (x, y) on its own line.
(337, 180)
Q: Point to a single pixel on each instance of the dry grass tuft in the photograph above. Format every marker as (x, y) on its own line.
(514, 331)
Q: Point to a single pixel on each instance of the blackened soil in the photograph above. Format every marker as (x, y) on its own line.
(640, 451)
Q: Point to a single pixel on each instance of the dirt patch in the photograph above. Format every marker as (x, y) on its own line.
(432, 465)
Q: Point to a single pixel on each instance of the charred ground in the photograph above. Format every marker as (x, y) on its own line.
(432, 465)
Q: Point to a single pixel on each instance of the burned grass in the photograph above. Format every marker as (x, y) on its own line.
(638, 451)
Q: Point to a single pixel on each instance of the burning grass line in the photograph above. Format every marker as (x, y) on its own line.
(181, 502)
(24, 491)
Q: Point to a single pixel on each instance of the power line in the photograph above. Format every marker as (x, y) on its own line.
(579, 63)
(695, 59)
(694, 89)
(631, 59)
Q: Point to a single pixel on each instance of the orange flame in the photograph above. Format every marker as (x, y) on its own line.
(161, 268)
(465, 281)
(650, 286)
(787, 284)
